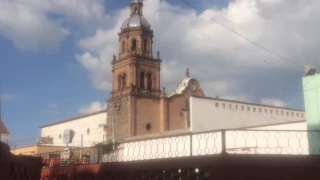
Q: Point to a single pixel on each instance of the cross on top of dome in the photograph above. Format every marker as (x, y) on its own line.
(136, 1)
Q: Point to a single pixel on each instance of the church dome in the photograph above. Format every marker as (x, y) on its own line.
(136, 20)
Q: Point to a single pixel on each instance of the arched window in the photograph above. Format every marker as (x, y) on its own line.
(119, 82)
(124, 80)
(123, 47)
(142, 79)
(149, 81)
(145, 45)
(134, 44)
(136, 9)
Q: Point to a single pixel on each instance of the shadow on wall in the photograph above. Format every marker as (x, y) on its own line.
(18, 167)
(314, 140)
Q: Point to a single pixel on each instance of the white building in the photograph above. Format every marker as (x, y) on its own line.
(248, 129)
(5, 135)
(207, 114)
(87, 130)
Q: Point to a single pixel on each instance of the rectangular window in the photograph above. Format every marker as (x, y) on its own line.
(217, 104)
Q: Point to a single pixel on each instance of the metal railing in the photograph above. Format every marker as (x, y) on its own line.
(197, 144)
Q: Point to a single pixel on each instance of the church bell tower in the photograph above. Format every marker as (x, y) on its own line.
(136, 75)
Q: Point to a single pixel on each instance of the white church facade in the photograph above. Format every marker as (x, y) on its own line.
(87, 130)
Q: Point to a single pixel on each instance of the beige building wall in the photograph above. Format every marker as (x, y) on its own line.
(32, 150)
(148, 111)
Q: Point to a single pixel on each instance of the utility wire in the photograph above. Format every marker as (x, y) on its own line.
(238, 34)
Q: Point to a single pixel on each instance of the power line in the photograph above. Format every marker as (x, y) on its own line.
(238, 34)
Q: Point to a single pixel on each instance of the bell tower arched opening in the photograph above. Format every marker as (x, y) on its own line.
(134, 45)
(124, 80)
(119, 82)
(145, 45)
(123, 47)
(149, 81)
(142, 80)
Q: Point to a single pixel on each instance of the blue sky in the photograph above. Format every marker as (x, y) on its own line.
(36, 80)
(47, 86)
(41, 86)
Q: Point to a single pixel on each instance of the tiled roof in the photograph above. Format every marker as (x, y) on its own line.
(4, 129)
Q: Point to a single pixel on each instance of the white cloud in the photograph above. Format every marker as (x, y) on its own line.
(93, 107)
(273, 102)
(7, 97)
(51, 108)
(224, 63)
(52, 105)
(37, 24)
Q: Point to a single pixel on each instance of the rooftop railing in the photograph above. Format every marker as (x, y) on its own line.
(222, 142)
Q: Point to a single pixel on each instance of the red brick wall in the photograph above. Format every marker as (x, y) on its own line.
(242, 167)
(18, 167)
